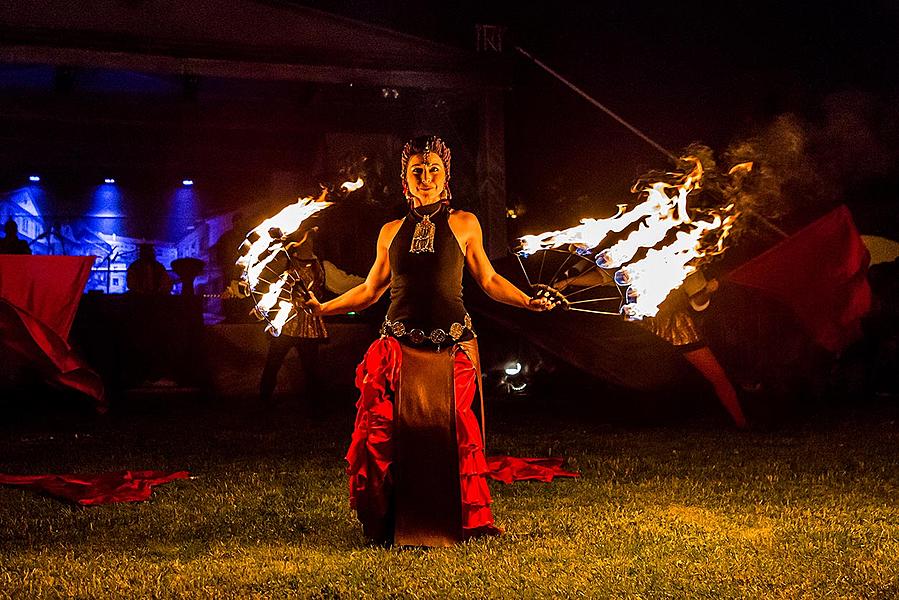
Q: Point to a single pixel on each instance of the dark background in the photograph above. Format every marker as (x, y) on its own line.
(682, 72)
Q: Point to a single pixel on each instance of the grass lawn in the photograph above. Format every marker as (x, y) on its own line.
(687, 509)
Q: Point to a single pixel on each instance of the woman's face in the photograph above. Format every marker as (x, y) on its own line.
(426, 178)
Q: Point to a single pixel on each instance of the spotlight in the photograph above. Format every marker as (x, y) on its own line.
(187, 182)
(513, 368)
(34, 178)
(109, 180)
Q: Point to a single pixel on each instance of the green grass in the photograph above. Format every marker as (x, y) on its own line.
(690, 509)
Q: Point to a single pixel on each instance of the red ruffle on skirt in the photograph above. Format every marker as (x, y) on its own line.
(472, 464)
(371, 447)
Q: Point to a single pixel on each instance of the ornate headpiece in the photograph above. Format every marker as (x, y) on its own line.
(425, 145)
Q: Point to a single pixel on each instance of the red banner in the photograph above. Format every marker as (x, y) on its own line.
(820, 272)
(39, 296)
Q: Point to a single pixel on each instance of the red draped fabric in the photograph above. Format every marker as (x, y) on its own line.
(820, 272)
(47, 287)
(510, 468)
(476, 500)
(39, 296)
(371, 447)
(96, 488)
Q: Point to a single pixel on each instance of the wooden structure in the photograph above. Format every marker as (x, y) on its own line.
(253, 99)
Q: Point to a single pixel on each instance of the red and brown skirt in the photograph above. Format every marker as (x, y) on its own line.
(416, 459)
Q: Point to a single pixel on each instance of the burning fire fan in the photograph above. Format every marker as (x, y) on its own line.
(267, 275)
(627, 264)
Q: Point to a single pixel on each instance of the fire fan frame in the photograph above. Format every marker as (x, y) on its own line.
(548, 286)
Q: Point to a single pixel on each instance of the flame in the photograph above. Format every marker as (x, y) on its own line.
(262, 247)
(658, 206)
(351, 186)
(665, 210)
(652, 278)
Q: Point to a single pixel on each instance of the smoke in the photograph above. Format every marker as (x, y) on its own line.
(803, 167)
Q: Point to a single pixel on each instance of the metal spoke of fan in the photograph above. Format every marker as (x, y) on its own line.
(552, 279)
(595, 300)
(594, 312)
(523, 270)
(542, 261)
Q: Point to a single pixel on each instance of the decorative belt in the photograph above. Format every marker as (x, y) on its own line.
(417, 336)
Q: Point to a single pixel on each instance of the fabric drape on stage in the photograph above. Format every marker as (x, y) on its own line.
(47, 287)
(39, 296)
(820, 273)
(96, 488)
(50, 355)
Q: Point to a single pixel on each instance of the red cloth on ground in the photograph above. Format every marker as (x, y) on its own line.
(96, 488)
(820, 272)
(39, 296)
(509, 468)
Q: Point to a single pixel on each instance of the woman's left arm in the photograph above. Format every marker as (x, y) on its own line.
(494, 285)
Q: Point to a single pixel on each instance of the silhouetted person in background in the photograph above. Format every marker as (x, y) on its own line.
(11, 242)
(236, 306)
(146, 275)
(151, 332)
(304, 331)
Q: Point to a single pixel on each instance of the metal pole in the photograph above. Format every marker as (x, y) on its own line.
(599, 105)
(633, 129)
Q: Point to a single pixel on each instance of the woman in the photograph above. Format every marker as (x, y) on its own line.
(416, 459)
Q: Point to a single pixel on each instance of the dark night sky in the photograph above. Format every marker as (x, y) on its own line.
(682, 72)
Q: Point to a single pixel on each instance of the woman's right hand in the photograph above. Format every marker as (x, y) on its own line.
(311, 305)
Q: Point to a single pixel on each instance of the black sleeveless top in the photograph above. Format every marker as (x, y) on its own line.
(426, 288)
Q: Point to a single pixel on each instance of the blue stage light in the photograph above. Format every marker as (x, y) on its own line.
(182, 211)
(109, 180)
(107, 210)
(34, 178)
(187, 182)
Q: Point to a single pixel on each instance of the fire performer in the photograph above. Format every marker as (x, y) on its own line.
(305, 332)
(416, 458)
(676, 324)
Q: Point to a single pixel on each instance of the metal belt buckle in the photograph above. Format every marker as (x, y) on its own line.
(398, 329)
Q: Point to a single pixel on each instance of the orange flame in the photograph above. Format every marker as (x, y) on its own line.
(651, 279)
(267, 240)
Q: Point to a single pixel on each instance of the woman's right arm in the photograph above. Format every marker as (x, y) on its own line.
(369, 291)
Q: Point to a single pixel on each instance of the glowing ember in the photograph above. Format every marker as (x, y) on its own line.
(350, 186)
